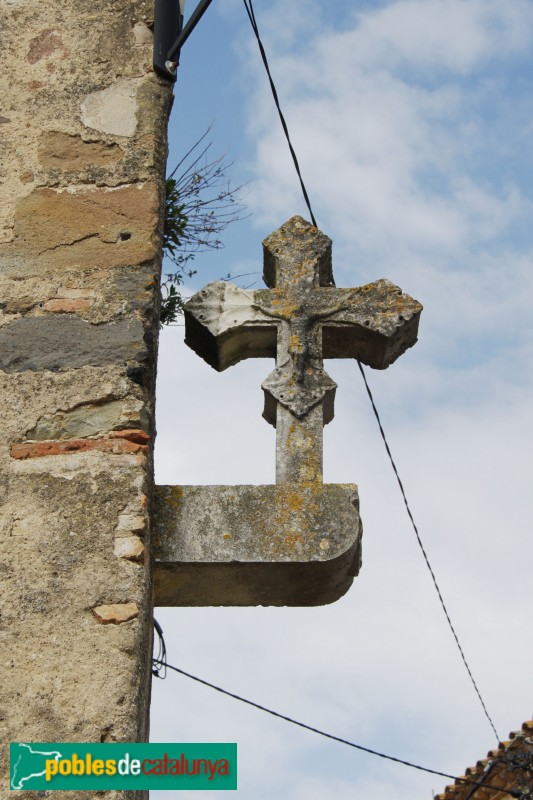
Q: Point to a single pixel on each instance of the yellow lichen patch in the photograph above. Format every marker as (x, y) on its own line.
(295, 344)
(284, 302)
(301, 270)
(292, 539)
(295, 501)
(172, 497)
(301, 442)
(175, 496)
(289, 508)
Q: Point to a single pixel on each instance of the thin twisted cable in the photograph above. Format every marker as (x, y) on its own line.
(251, 16)
(422, 548)
(477, 784)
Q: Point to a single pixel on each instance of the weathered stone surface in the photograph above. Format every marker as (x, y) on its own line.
(133, 435)
(67, 306)
(44, 44)
(47, 94)
(223, 326)
(116, 613)
(143, 35)
(67, 342)
(67, 152)
(290, 544)
(18, 305)
(131, 522)
(299, 446)
(129, 547)
(59, 560)
(88, 419)
(90, 228)
(110, 293)
(73, 294)
(112, 110)
(32, 396)
(295, 251)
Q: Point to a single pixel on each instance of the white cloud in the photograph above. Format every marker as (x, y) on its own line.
(389, 156)
(439, 34)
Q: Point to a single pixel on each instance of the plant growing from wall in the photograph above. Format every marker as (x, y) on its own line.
(200, 203)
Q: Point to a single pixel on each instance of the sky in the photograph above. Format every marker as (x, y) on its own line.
(412, 121)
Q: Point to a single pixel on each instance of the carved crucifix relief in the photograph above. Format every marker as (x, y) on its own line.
(297, 541)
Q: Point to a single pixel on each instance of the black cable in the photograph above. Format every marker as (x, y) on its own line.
(159, 667)
(376, 414)
(477, 784)
(251, 16)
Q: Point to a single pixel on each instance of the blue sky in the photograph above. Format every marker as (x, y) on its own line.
(412, 121)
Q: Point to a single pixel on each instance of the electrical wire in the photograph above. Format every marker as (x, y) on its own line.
(477, 784)
(251, 15)
(422, 548)
(159, 667)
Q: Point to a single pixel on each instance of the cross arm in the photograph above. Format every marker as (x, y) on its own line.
(374, 323)
(224, 326)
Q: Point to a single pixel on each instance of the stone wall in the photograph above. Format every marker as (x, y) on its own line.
(83, 150)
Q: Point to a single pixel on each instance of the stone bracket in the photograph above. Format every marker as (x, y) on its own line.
(292, 544)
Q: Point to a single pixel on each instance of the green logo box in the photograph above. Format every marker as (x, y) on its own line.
(114, 765)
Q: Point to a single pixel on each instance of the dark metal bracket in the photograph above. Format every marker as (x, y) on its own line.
(168, 23)
(170, 35)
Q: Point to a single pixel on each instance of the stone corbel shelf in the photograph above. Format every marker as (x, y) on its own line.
(277, 545)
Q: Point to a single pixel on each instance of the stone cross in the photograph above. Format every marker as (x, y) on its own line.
(299, 320)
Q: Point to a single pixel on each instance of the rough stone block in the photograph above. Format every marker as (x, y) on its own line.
(112, 110)
(131, 435)
(115, 613)
(66, 306)
(88, 419)
(68, 342)
(63, 151)
(129, 547)
(90, 228)
(130, 522)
